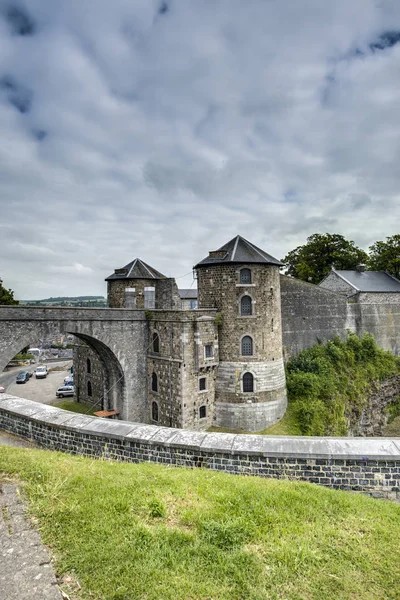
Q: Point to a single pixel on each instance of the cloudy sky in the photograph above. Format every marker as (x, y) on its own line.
(162, 129)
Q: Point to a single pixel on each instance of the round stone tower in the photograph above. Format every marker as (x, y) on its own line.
(242, 282)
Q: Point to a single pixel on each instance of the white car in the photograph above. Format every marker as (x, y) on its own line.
(65, 390)
(68, 379)
(41, 372)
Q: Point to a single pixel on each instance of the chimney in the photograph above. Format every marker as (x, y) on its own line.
(360, 268)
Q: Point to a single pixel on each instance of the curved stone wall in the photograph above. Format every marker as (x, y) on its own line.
(369, 465)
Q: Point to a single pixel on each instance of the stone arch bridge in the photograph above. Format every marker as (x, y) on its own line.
(118, 336)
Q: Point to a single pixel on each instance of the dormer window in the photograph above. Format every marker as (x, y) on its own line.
(245, 276)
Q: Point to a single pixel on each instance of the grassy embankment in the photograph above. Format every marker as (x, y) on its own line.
(126, 531)
(328, 385)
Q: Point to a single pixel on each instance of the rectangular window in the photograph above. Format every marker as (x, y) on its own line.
(149, 297)
(202, 384)
(208, 351)
(203, 412)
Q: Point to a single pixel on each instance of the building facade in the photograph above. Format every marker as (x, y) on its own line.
(215, 356)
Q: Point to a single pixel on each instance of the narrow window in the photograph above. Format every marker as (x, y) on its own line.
(154, 382)
(203, 412)
(154, 411)
(245, 276)
(245, 306)
(89, 388)
(248, 382)
(149, 297)
(208, 351)
(247, 346)
(202, 384)
(156, 342)
(88, 366)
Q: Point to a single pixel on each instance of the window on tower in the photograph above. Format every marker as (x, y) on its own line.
(247, 346)
(245, 276)
(245, 306)
(248, 382)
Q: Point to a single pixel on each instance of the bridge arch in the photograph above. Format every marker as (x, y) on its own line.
(118, 336)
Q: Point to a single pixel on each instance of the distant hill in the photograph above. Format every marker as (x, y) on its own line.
(93, 301)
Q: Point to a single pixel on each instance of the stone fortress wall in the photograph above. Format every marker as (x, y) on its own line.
(370, 465)
(311, 313)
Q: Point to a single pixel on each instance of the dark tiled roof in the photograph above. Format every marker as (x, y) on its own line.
(190, 294)
(137, 269)
(238, 250)
(370, 281)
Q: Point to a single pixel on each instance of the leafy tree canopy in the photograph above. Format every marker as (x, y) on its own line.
(385, 256)
(6, 296)
(312, 262)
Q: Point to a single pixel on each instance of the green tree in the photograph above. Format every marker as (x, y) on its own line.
(6, 296)
(312, 262)
(385, 256)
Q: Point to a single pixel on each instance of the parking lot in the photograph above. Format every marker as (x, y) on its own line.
(40, 390)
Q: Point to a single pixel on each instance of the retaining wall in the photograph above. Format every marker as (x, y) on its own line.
(369, 465)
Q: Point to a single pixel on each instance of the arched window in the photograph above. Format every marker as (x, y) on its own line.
(248, 382)
(154, 382)
(245, 306)
(247, 346)
(202, 412)
(156, 342)
(154, 411)
(245, 276)
(89, 388)
(88, 366)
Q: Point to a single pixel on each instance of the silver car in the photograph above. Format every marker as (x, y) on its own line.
(65, 390)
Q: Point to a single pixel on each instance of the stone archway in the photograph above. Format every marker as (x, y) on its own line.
(117, 336)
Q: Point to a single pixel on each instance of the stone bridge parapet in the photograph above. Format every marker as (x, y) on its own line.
(370, 465)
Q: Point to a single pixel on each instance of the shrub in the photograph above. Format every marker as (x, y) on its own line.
(329, 383)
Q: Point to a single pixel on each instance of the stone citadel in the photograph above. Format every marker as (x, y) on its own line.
(222, 363)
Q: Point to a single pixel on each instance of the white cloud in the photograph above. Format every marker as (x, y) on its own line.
(164, 135)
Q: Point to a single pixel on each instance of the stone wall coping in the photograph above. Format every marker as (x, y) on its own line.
(196, 441)
(218, 443)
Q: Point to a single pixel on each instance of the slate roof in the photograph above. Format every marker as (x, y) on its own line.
(189, 294)
(238, 250)
(137, 269)
(370, 281)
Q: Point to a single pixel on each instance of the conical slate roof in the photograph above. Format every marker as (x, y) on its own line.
(137, 269)
(238, 250)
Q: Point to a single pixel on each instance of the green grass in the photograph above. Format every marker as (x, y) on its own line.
(78, 407)
(148, 532)
(393, 428)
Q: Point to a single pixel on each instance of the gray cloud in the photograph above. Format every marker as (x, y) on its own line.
(162, 129)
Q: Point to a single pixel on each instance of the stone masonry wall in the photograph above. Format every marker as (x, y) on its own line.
(178, 366)
(356, 464)
(309, 314)
(81, 354)
(335, 283)
(116, 291)
(374, 417)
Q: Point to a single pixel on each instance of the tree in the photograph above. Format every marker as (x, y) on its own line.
(385, 256)
(6, 296)
(313, 261)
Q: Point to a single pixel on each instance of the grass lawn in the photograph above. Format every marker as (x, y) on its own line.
(77, 407)
(149, 532)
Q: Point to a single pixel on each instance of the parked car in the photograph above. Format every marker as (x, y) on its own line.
(65, 390)
(41, 372)
(69, 380)
(2, 389)
(22, 377)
